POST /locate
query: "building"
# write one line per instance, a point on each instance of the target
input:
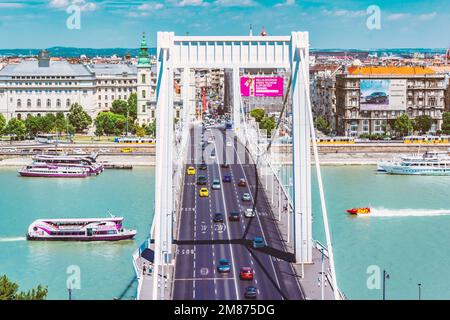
(44, 85)
(369, 99)
(146, 102)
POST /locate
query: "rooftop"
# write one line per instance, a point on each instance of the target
(113, 69)
(56, 68)
(390, 70)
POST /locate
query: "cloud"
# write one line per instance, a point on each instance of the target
(235, 3)
(83, 4)
(427, 16)
(189, 3)
(286, 3)
(7, 5)
(344, 13)
(397, 16)
(145, 9)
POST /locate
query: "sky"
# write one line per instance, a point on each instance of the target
(360, 24)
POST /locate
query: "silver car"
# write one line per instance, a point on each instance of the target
(246, 197)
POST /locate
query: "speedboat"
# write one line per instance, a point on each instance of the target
(359, 211)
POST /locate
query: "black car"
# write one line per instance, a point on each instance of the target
(234, 216)
(251, 292)
(377, 97)
(225, 165)
(203, 166)
(218, 217)
(201, 180)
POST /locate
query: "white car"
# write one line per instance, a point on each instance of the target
(229, 143)
(249, 213)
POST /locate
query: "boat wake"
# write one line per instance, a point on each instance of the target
(12, 239)
(383, 212)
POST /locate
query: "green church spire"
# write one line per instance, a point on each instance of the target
(143, 58)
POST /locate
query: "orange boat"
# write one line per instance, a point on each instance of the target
(359, 211)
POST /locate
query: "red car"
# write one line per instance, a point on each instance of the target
(246, 273)
(242, 183)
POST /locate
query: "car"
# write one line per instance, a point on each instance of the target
(234, 216)
(216, 184)
(226, 178)
(242, 182)
(250, 292)
(258, 242)
(225, 165)
(212, 155)
(249, 213)
(218, 217)
(190, 171)
(377, 97)
(246, 197)
(201, 180)
(203, 166)
(224, 266)
(246, 273)
(203, 192)
(229, 143)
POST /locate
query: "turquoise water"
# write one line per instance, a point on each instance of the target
(105, 268)
(408, 234)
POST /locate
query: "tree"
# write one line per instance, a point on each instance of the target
(60, 124)
(423, 123)
(268, 123)
(119, 107)
(151, 129)
(258, 114)
(110, 123)
(2, 122)
(445, 123)
(140, 131)
(403, 125)
(78, 118)
(16, 127)
(10, 291)
(132, 106)
(323, 125)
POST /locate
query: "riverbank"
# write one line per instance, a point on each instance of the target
(134, 160)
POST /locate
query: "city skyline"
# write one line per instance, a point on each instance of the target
(354, 24)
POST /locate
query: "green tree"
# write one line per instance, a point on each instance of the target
(119, 107)
(140, 131)
(445, 123)
(151, 129)
(60, 125)
(16, 127)
(258, 114)
(32, 124)
(132, 106)
(10, 291)
(78, 118)
(323, 125)
(268, 123)
(110, 123)
(2, 122)
(423, 123)
(403, 125)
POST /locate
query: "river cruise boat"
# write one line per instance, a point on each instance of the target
(432, 163)
(88, 162)
(97, 229)
(52, 171)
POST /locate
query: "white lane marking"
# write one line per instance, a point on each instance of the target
(257, 215)
(228, 229)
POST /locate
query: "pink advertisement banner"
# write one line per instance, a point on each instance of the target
(262, 87)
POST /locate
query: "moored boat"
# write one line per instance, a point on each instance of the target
(91, 229)
(52, 171)
(432, 163)
(88, 162)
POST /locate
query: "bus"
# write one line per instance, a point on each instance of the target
(122, 140)
(336, 140)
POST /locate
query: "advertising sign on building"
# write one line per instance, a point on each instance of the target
(383, 94)
(262, 86)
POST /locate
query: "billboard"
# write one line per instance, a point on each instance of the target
(382, 94)
(262, 86)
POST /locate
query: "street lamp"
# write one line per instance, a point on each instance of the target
(385, 276)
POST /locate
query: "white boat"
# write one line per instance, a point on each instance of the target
(432, 163)
(97, 229)
(53, 171)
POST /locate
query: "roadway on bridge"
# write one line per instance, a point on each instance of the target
(201, 242)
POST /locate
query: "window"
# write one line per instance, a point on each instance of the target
(49, 103)
(29, 103)
(68, 103)
(38, 103)
(19, 103)
(143, 108)
(143, 94)
(58, 103)
(143, 78)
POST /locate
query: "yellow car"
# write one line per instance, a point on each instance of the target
(191, 171)
(126, 150)
(204, 192)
